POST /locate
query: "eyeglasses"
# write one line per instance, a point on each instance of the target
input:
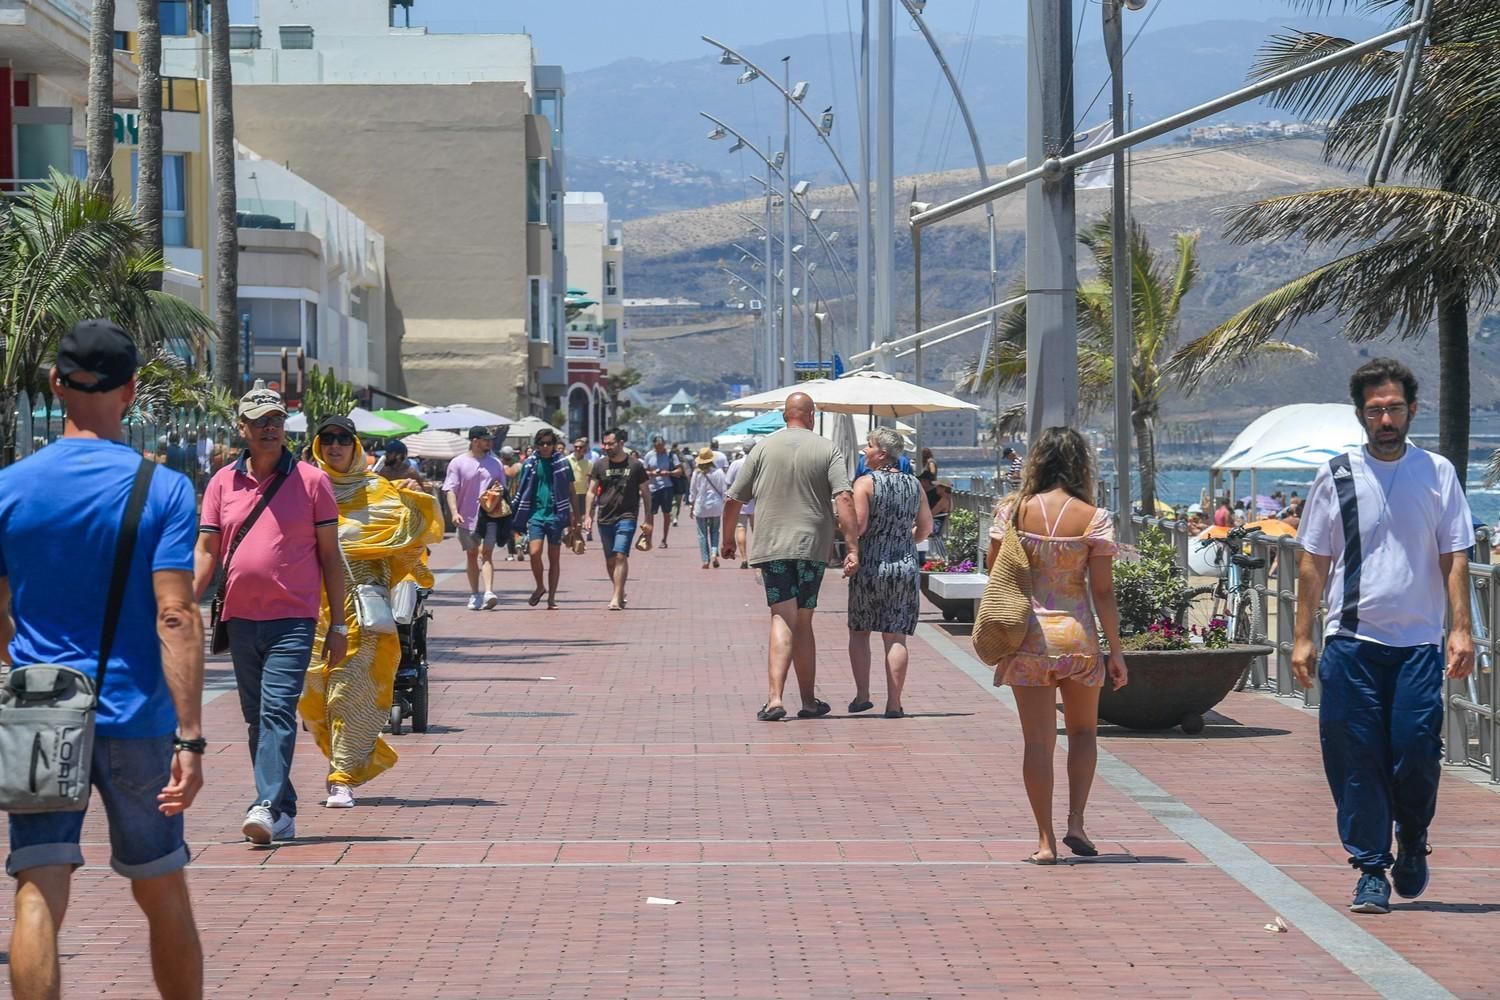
(335, 437)
(546, 444)
(269, 420)
(1397, 410)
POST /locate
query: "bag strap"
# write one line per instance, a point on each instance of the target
(124, 555)
(244, 529)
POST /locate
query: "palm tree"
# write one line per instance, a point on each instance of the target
(227, 247)
(619, 383)
(149, 179)
(68, 253)
(1158, 288)
(1405, 255)
(101, 107)
(148, 198)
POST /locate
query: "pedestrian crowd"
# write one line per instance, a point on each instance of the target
(310, 555)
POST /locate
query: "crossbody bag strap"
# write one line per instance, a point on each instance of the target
(244, 529)
(124, 554)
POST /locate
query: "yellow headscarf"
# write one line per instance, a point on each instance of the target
(378, 520)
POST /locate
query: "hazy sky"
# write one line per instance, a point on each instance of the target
(582, 34)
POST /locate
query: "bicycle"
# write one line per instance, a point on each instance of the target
(1233, 598)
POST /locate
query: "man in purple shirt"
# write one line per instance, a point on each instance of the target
(468, 477)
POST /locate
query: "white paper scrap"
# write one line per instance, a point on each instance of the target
(658, 901)
(1279, 927)
(546, 678)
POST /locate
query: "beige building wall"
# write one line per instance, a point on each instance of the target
(441, 172)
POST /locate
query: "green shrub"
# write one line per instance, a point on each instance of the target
(961, 537)
(1149, 587)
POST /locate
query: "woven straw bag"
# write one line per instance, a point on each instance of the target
(1005, 610)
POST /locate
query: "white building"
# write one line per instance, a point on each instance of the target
(595, 247)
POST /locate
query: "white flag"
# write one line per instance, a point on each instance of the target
(1100, 173)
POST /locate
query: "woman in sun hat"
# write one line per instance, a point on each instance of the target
(706, 498)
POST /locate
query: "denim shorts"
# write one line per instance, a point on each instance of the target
(128, 775)
(617, 538)
(551, 530)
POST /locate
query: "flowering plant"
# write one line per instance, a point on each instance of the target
(1163, 633)
(967, 566)
(935, 566)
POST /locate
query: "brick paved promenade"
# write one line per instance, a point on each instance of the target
(581, 761)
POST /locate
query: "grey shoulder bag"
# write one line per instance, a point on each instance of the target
(47, 710)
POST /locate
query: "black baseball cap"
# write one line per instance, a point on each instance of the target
(99, 348)
(480, 431)
(336, 422)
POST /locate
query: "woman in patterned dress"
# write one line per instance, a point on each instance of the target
(1070, 545)
(384, 532)
(883, 596)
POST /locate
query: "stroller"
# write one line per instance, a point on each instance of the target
(409, 697)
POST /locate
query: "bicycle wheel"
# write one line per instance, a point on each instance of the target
(1246, 614)
(1197, 607)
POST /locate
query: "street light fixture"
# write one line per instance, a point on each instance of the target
(727, 58)
(739, 144)
(826, 126)
(748, 75)
(800, 90)
(717, 133)
(815, 214)
(801, 188)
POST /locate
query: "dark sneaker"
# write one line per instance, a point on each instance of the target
(1372, 894)
(1409, 876)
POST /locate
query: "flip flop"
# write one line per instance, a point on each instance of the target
(861, 706)
(894, 713)
(818, 710)
(1081, 847)
(536, 598)
(1034, 860)
(768, 714)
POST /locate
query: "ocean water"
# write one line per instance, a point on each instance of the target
(1185, 486)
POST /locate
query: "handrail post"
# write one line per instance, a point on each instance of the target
(1286, 613)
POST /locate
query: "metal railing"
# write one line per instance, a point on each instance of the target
(1471, 718)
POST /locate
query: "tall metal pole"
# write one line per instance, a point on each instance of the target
(885, 179)
(806, 290)
(1051, 224)
(862, 265)
(769, 347)
(788, 372)
(1121, 271)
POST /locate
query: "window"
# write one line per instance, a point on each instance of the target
(310, 309)
(549, 106)
(174, 17)
(611, 333)
(539, 328)
(81, 164)
(611, 278)
(274, 323)
(558, 312)
(122, 41)
(537, 206)
(174, 224)
(179, 93)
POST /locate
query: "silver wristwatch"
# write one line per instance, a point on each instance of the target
(339, 629)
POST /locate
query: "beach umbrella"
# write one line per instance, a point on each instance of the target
(409, 423)
(458, 417)
(365, 422)
(872, 393)
(846, 441)
(528, 428)
(435, 444)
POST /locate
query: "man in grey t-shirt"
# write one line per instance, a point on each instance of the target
(799, 484)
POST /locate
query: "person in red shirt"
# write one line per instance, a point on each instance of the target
(275, 571)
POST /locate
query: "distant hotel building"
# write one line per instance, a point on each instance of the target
(596, 309)
(451, 147)
(1217, 135)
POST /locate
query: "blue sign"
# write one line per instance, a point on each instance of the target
(838, 366)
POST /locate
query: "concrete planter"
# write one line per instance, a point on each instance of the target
(1175, 687)
(953, 609)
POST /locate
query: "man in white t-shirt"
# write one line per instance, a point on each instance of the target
(1385, 533)
(721, 460)
(745, 523)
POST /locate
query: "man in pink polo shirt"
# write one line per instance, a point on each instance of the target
(277, 571)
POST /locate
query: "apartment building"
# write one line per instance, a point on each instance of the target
(596, 308)
(451, 147)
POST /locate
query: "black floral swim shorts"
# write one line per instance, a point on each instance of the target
(793, 580)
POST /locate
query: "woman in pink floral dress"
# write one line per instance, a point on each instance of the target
(1070, 545)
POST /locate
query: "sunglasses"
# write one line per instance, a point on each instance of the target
(269, 420)
(335, 437)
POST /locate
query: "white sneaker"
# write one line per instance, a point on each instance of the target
(258, 827)
(340, 796)
(285, 828)
(490, 600)
(475, 602)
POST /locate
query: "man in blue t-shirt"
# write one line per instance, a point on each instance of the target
(67, 502)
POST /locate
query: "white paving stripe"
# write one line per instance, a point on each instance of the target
(1359, 951)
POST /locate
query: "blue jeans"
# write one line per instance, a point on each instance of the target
(550, 529)
(270, 666)
(1380, 721)
(708, 537)
(129, 774)
(617, 537)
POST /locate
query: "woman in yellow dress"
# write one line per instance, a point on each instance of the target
(384, 532)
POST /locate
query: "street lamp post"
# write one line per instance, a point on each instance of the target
(788, 366)
(1122, 297)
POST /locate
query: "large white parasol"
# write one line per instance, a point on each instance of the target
(435, 444)
(872, 393)
(458, 417)
(365, 422)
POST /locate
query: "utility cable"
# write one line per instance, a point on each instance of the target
(1105, 85)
